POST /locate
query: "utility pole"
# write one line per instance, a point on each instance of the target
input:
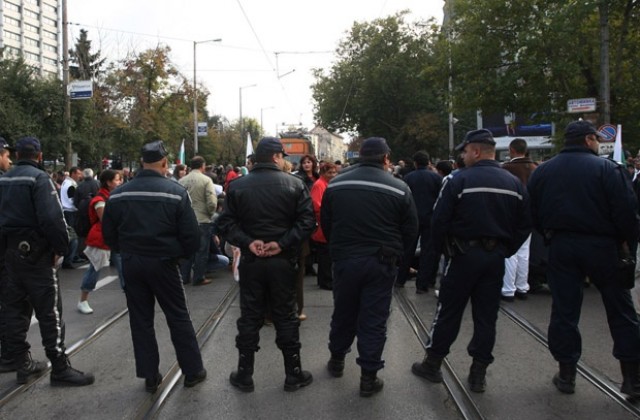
(605, 89)
(66, 124)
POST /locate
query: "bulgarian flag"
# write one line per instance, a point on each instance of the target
(181, 153)
(617, 147)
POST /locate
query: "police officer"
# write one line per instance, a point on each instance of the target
(481, 217)
(6, 365)
(34, 235)
(150, 221)
(370, 221)
(597, 218)
(268, 214)
(425, 185)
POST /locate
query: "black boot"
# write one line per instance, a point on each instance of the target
(335, 366)
(428, 369)
(565, 379)
(296, 377)
(630, 379)
(477, 373)
(370, 384)
(62, 374)
(243, 377)
(28, 368)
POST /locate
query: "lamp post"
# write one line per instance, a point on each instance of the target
(195, 95)
(262, 109)
(241, 123)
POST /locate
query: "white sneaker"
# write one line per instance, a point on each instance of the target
(83, 307)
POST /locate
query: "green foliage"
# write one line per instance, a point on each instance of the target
(379, 86)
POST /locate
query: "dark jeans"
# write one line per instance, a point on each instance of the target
(200, 259)
(148, 279)
(572, 257)
(70, 218)
(267, 284)
(475, 275)
(325, 275)
(362, 290)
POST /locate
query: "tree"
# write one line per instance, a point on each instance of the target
(87, 66)
(378, 86)
(531, 56)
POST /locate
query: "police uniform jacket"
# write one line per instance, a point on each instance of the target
(578, 191)
(268, 205)
(29, 203)
(425, 186)
(151, 216)
(365, 209)
(482, 201)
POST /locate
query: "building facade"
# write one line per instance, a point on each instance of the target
(328, 146)
(30, 28)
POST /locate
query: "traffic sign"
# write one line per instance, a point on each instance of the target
(608, 132)
(202, 129)
(575, 106)
(81, 89)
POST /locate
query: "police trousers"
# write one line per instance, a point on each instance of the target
(267, 283)
(475, 275)
(362, 289)
(150, 279)
(572, 257)
(32, 285)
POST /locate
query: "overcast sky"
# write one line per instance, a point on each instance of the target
(303, 32)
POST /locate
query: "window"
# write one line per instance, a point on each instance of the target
(31, 56)
(31, 14)
(11, 35)
(31, 41)
(49, 21)
(31, 28)
(50, 48)
(50, 35)
(11, 6)
(36, 2)
(10, 52)
(49, 8)
(49, 61)
(11, 21)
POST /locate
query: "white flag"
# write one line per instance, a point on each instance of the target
(181, 153)
(249, 146)
(617, 147)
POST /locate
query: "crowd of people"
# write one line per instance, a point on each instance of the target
(471, 225)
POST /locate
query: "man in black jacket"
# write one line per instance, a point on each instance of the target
(369, 219)
(585, 207)
(34, 235)
(150, 221)
(268, 214)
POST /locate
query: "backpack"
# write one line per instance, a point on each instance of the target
(83, 223)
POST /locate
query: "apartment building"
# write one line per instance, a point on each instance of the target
(30, 28)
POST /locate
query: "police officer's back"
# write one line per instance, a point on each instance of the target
(35, 234)
(480, 218)
(585, 207)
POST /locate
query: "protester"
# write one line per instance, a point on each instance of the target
(97, 251)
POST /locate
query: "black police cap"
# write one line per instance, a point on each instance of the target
(270, 145)
(580, 129)
(153, 152)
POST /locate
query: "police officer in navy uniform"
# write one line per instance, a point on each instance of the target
(480, 218)
(150, 221)
(585, 207)
(6, 364)
(268, 214)
(34, 236)
(370, 221)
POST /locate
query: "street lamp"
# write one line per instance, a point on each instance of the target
(262, 109)
(241, 123)
(195, 95)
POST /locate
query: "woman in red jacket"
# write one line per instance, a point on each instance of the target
(325, 279)
(97, 251)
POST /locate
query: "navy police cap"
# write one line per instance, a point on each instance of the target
(28, 144)
(270, 145)
(153, 152)
(477, 136)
